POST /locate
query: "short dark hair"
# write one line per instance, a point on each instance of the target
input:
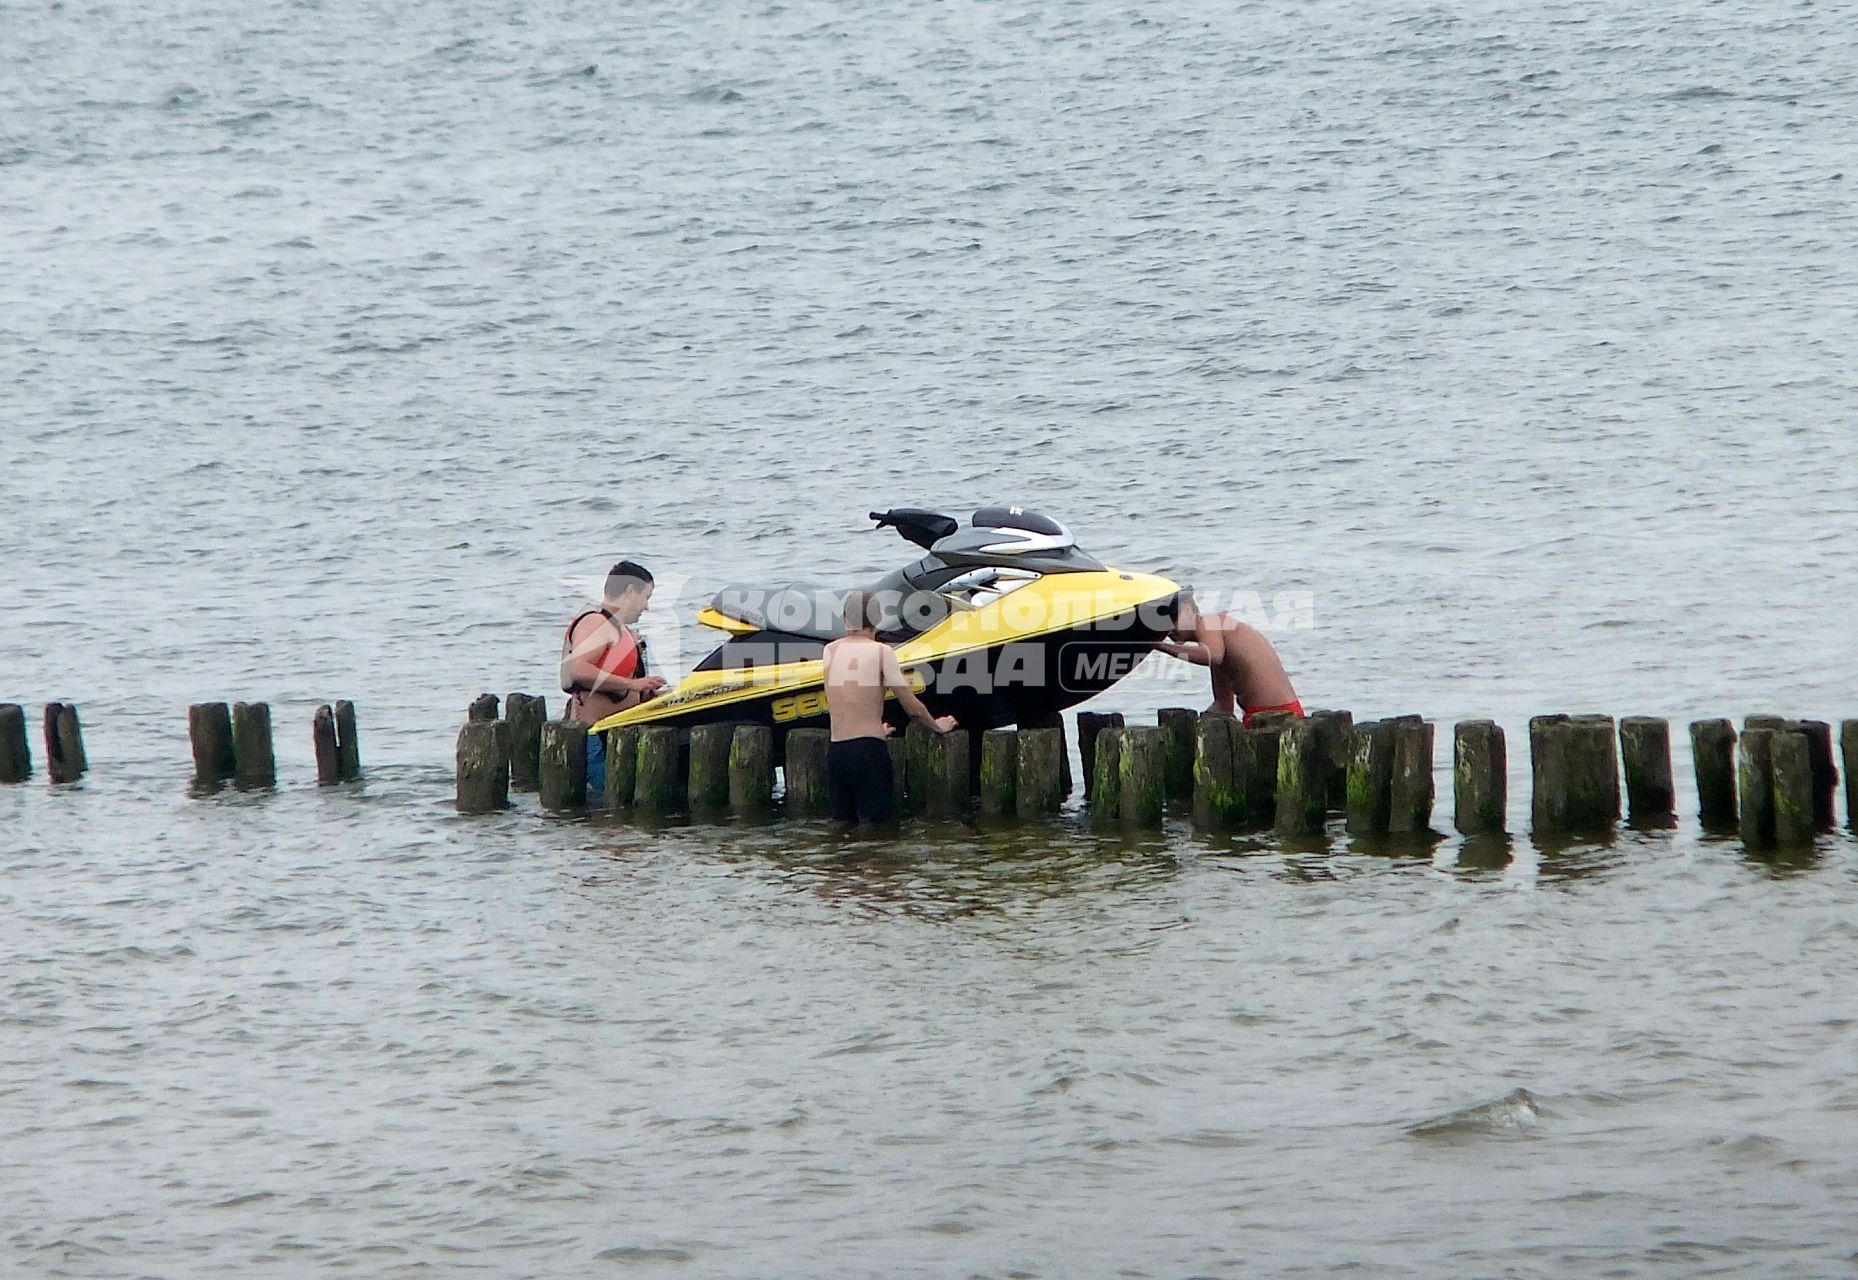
(624, 576)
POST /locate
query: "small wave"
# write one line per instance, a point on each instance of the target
(714, 93)
(1515, 1114)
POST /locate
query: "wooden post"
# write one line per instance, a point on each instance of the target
(710, 745)
(805, 772)
(1575, 762)
(1755, 787)
(1221, 800)
(1848, 748)
(1040, 783)
(1053, 721)
(939, 783)
(328, 750)
(622, 766)
(751, 771)
(1177, 738)
(1302, 777)
(348, 742)
(526, 715)
(1480, 778)
(209, 728)
(1336, 730)
(561, 765)
(1262, 747)
(1143, 775)
(1089, 725)
(1000, 773)
(15, 750)
(658, 779)
(483, 783)
(1645, 750)
(1790, 765)
(1106, 785)
(1825, 772)
(1411, 789)
(254, 761)
(1712, 749)
(483, 707)
(1369, 777)
(64, 743)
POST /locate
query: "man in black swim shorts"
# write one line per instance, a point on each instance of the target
(860, 671)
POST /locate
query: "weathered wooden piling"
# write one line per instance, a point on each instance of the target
(65, 760)
(209, 729)
(999, 773)
(804, 773)
(1303, 765)
(1369, 777)
(1261, 746)
(1755, 787)
(1106, 786)
(1220, 802)
(483, 707)
(939, 782)
(1574, 761)
(1336, 731)
(1712, 751)
(1177, 748)
(1825, 773)
(1480, 778)
(1142, 771)
(1411, 790)
(658, 777)
(254, 759)
(751, 770)
(561, 765)
(1055, 720)
(1039, 775)
(1848, 750)
(483, 780)
(15, 749)
(1645, 754)
(328, 750)
(1089, 725)
(348, 741)
(1790, 765)
(710, 745)
(622, 766)
(526, 714)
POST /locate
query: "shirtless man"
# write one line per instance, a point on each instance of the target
(1245, 667)
(860, 669)
(603, 660)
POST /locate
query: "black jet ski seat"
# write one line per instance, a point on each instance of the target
(809, 610)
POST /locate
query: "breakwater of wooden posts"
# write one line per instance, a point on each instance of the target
(1773, 782)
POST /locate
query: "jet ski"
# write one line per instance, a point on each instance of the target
(1004, 621)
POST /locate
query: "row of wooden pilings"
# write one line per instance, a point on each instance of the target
(1773, 782)
(231, 743)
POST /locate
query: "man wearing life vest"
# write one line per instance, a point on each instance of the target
(603, 660)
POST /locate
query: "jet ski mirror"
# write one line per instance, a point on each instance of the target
(924, 528)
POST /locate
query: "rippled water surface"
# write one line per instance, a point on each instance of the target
(345, 344)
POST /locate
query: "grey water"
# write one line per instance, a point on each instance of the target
(1496, 356)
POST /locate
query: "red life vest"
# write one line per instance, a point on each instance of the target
(624, 658)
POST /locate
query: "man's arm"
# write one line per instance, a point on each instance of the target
(1189, 652)
(895, 682)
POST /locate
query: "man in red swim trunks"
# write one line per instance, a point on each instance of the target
(603, 660)
(1244, 666)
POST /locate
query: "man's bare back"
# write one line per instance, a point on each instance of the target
(1245, 668)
